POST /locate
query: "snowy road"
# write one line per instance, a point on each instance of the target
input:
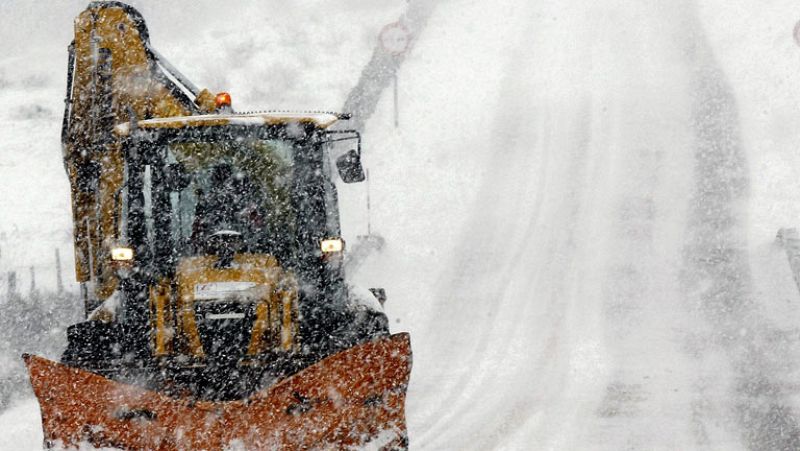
(574, 216)
(599, 293)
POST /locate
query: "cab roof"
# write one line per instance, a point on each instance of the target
(321, 120)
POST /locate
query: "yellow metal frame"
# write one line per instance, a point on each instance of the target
(276, 324)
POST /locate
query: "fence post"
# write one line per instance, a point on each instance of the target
(33, 280)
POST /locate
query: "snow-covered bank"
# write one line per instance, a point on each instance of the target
(21, 427)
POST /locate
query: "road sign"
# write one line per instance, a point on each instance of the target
(394, 38)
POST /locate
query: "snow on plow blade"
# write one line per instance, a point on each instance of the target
(351, 399)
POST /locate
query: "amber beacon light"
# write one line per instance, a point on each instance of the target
(223, 99)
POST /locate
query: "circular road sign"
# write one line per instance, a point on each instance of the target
(395, 38)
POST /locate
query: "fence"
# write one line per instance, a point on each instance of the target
(32, 320)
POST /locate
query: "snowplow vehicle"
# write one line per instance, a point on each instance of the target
(209, 253)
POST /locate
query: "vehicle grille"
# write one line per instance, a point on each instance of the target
(225, 328)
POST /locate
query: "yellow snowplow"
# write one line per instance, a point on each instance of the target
(208, 249)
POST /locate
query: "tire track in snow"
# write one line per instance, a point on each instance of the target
(631, 294)
(543, 270)
(718, 281)
(642, 95)
(486, 271)
(530, 359)
(491, 290)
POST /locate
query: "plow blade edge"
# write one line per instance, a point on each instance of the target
(350, 399)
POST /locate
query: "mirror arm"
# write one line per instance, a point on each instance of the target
(357, 137)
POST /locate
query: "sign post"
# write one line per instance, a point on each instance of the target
(394, 39)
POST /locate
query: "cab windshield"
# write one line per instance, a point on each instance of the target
(239, 187)
(226, 190)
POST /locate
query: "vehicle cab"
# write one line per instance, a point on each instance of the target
(222, 239)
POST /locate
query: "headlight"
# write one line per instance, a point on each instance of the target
(121, 254)
(331, 245)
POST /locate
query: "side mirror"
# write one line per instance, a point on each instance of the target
(350, 169)
(175, 177)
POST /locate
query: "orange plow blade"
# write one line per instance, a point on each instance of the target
(351, 399)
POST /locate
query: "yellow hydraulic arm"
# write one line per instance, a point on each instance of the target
(114, 76)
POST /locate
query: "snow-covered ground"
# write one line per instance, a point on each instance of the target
(579, 204)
